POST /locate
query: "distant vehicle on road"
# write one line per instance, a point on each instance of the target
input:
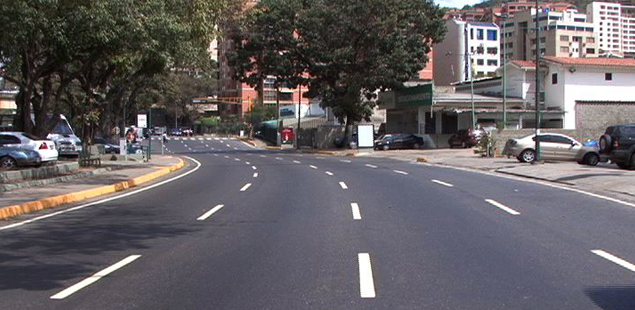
(552, 147)
(398, 141)
(11, 157)
(618, 145)
(187, 131)
(466, 138)
(176, 132)
(14, 139)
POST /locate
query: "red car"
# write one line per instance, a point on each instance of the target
(466, 138)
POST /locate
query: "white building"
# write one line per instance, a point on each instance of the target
(615, 26)
(572, 82)
(469, 48)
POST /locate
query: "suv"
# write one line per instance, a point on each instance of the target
(618, 145)
(466, 138)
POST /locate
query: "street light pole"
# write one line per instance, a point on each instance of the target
(537, 146)
(504, 73)
(472, 90)
(297, 134)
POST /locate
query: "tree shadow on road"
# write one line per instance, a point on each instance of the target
(45, 256)
(612, 297)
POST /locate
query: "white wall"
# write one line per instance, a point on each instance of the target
(449, 54)
(586, 84)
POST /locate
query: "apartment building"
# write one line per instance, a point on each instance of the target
(562, 34)
(615, 27)
(513, 7)
(469, 50)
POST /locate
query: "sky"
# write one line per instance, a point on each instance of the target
(456, 3)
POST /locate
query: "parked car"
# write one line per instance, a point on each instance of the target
(466, 138)
(67, 143)
(176, 132)
(398, 141)
(552, 147)
(109, 146)
(46, 148)
(11, 157)
(618, 145)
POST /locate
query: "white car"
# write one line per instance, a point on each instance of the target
(46, 148)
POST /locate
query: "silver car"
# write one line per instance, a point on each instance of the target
(553, 146)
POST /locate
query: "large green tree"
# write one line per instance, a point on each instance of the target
(346, 49)
(91, 57)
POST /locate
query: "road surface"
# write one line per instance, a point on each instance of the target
(254, 229)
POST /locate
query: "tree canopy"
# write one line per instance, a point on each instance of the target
(344, 50)
(88, 58)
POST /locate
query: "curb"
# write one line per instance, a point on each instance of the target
(34, 183)
(37, 205)
(249, 141)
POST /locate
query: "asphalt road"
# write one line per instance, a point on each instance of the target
(253, 229)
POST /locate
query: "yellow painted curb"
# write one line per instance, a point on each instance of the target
(33, 206)
(248, 141)
(273, 148)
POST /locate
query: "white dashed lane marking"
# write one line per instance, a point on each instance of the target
(371, 166)
(313, 167)
(356, 214)
(210, 213)
(400, 172)
(329, 173)
(443, 183)
(248, 185)
(614, 259)
(502, 207)
(343, 185)
(366, 282)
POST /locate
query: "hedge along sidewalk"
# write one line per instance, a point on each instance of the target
(28, 200)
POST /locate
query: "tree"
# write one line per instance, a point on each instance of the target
(348, 49)
(93, 57)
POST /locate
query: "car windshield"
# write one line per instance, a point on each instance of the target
(628, 130)
(63, 128)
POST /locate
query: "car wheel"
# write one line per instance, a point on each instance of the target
(606, 144)
(591, 159)
(527, 156)
(8, 163)
(386, 147)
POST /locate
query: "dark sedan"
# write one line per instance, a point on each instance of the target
(109, 146)
(14, 157)
(398, 141)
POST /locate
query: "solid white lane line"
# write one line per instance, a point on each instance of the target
(248, 185)
(371, 166)
(35, 219)
(329, 173)
(366, 282)
(443, 183)
(356, 214)
(296, 162)
(343, 185)
(314, 167)
(614, 259)
(502, 207)
(210, 212)
(94, 278)
(400, 172)
(345, 161)
(254, 167)
(255, 174)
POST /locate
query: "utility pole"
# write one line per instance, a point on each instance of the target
(279, 127)
(504, 73)
(297, 134)
(150, 134)
(537, 157)
(472, 90)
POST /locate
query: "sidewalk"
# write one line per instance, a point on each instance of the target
(603, 179)
(123, 175)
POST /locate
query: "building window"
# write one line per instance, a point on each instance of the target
(590, 51)
(564, 38)
(480, 62)
(543, 40)
(479, 34)
(608, 76)
(554, 78)
(492, 50)
(471, 33)
(492, 35)
(480, 50)
(492, 62)
(590, 40)
(564, 49)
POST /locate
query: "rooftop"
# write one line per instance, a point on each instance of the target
(524, 64)
(592, 61)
